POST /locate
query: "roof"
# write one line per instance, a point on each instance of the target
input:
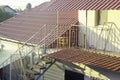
(25, 25)
(2, 6)
(84, 5)
(88, 58)
(6, 6)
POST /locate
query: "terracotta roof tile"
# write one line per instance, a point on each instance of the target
(85, 5)
(23, 26)
(88, 58)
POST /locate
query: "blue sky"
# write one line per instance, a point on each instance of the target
(21, 3)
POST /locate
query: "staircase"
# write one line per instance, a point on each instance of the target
(24, 65)
(36, 70)
(56, 72)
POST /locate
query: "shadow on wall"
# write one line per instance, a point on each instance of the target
(100, 38)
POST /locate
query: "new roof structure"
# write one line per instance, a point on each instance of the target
(88, 58)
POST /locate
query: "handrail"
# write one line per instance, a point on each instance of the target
(106, 41)
(22, 57)
(45, 70)
(110, 26)
(39, 43)
(21, 53)
(100, 35)
(24, 43)
(113, 24)
(33, 48)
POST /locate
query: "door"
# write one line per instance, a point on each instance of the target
(70, 75)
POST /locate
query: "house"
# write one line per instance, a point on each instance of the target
(8, 9)
(83, 36)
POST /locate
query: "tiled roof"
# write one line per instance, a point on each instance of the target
(2, 7)
(85, 5)
(88, 58)
(23, 26)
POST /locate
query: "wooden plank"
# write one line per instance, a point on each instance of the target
(32, 72)
(46, 61)
(42, 55)
(36, 66)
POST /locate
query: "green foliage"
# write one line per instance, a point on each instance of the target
(4, 15)
(28, 6)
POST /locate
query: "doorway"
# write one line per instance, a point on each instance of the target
(70, 75)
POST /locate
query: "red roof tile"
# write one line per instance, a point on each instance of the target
(23, 26)
(84, 5)
(88, 58)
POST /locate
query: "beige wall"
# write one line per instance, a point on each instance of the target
(95, 38)
(114, 16)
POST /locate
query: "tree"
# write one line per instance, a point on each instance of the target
(4, 15)
(28, 6)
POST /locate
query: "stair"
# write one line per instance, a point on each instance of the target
(36, 66)
(45, 41)
(32, 72)
(38, 69)
(46, 61)
(42, 55)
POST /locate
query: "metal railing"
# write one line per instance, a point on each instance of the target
(49, 37)
(8, 60)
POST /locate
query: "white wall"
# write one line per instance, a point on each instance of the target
(82, 31)
(114, 16)
(95, 38)
(9, 46)
(90, 24)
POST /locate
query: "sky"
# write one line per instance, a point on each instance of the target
(21, 4)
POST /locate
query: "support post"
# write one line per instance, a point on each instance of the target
(70, 36)
(86, 32)
(45, 40)
(57, 28)
(10, 67)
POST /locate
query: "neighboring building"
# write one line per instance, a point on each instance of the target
(8, 9)
(59, 27)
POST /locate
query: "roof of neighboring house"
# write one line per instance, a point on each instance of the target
(84, 5)
(88, 58)
(25, 25)
(4, 6)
